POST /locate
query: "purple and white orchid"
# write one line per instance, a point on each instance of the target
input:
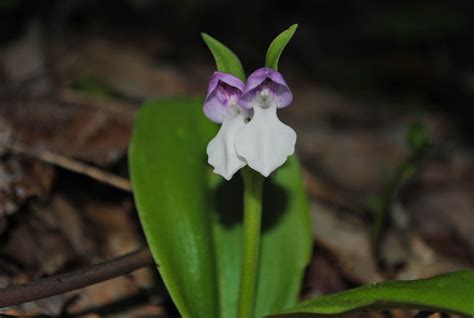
(262, 141)
(221, 106)
(265, 142)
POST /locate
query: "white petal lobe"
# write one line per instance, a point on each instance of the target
(265, 142)
(221, 150)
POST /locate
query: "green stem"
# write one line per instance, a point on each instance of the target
(253, 184)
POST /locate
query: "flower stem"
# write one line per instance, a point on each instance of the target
(253, 184)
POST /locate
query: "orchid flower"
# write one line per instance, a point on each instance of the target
(221, 106)
(265, 142)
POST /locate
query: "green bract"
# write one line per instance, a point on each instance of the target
(276, 47)
(226, 60)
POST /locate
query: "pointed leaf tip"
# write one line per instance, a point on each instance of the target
(226, 60)
(277, 46)
(448, 293)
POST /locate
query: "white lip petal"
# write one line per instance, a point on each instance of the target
(221, 150)
(265, 142)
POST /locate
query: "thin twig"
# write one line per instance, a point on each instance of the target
(58, 284)
(72, 165)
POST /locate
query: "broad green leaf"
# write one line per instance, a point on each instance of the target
(453, 293)
(192, 218)
(167, 169)
(276, 47)
(226, 60)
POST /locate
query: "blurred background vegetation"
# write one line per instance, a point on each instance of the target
(402, 48)
(418, 53)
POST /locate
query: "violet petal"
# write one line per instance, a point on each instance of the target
(264, 76)
(223, 89)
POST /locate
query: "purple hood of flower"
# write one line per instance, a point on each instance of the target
(266, 77)
(221, 90)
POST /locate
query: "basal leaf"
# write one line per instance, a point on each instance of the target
(276, 47)
(168, 173)
(452, 293)
(226, 60)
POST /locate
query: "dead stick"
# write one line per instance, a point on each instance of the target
(58, 284)
(72, 165)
